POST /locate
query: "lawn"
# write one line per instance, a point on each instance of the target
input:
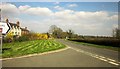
(29, 47)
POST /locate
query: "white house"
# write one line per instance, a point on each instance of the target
(16, 30)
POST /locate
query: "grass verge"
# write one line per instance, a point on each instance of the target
(98, 46)
(29, 47)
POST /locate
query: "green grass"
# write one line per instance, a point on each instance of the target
(98, 46)
(29, 47)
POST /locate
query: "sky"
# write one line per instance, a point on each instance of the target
(84, 18)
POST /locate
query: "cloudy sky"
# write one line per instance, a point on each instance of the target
(85, 18)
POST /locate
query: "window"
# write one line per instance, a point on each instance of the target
(12, 32)
(16, 33)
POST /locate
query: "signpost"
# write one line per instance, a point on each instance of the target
(5, 27)
(1, 46)
(0, 40)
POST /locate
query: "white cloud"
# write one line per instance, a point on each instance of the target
(9, 10)
(56, 3)
(90, 23)
(59, 8)
(41, 11)
(24, 8)
(72, 5)
(93, 23)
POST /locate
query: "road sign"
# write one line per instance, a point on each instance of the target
(5, 27)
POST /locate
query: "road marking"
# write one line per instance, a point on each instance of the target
(114, 63)
(97, 57)
(111, 59)
(102, 58)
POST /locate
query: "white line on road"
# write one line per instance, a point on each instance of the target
(111, 59)
(102, 58)
(114, 63)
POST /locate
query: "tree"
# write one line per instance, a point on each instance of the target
(116, 33)
(70, 33)
(52, 29)
(55, 31)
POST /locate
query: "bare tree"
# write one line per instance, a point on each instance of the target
(55, 31)
(116, 33)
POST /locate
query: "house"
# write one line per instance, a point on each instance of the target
(16, 30)
(24, 31)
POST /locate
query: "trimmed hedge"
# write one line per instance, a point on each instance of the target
(106, 42)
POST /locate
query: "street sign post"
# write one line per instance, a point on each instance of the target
(0, 33)
(5, 27)
(0, 30)
(0, 46)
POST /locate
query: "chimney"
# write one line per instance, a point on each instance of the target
(18, 23)
(25, 28)
(7, 21)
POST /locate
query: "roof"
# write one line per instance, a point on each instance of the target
(23, 29)
(13, 24)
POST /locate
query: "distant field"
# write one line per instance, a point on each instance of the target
(29, 47)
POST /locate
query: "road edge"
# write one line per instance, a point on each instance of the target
(44, 53)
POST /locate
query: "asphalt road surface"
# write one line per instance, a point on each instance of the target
(75, 55)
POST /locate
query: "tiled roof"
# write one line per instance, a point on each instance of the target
(13, 24)
(23, 29)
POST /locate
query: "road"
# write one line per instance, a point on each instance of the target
(75, 55)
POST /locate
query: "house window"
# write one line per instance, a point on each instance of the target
(16, 33)
(12, 32)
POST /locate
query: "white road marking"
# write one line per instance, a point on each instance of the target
(97, 57)
(102, 58)
(111, 59)
(114, 63)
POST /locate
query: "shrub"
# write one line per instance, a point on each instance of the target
(22, 38)
(7, 40)
(107, 42)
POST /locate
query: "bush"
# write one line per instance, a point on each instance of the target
(25, 37)
(7, 40)
(107, 42)
(22, 38)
